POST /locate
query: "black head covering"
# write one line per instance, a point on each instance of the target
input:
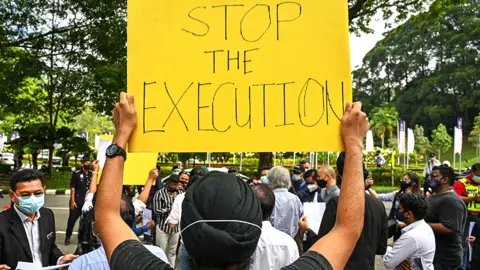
(220, 196)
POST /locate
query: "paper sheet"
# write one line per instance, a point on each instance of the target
(470, 249)
(32, 266)
(314, 213)
(147, 216)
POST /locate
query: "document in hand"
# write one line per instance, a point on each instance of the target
(33, 266)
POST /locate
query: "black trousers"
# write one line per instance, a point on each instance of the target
(72, 219)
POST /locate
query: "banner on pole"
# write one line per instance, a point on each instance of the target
(84, 135)
(401, 143)
(223, 71)
(411, 141)
(458, 141)
(369, 141)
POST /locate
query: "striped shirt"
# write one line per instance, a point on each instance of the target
(162, 205)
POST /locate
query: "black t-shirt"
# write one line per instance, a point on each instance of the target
(450, 211)
(80, 182)
(373, 239)
(132, 255)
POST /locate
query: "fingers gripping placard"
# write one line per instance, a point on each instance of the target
(234, 76)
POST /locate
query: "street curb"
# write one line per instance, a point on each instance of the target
(48, 192)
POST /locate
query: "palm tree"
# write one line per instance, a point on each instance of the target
(383, 121)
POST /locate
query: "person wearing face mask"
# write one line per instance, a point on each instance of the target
(176, 170)
(328, 179)
(311, 177)
(299, 183)
(415, 249)
(468, 190)
(166, 237)
(447, 215)
(79, 184)
(27, 231)
(409, 183)
(263, 172)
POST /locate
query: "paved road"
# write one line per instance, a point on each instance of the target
(59, 205)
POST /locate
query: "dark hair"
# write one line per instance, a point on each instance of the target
(341, 166)
(303, 162)
(232, 170)
(127, 211)
(379, 152)
(310, 173)
(268, 168)
(415, 179)
(197, 265)
(436, 168)
(183, 172)
(267, 200)
(415, 203)
(197, 171)
(175, 167)
(26, 175)
(173, 178)
(475, 168)
(127, 188)
(448, 172)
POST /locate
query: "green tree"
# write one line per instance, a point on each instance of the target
(430, 58)
(475, 133)
(422, 143)
(441, 141)
(93, 123)
(383, 121)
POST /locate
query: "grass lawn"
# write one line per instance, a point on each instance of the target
(384, 189)
(469, 156)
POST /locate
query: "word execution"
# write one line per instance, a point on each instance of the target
(216, 76)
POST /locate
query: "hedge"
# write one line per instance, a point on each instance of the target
(383, 176)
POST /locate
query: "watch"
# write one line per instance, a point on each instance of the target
(115, 150)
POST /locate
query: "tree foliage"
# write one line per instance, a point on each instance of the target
(441, 140)
(474, 135)
(422, 143)
(428, 67)
(93, 123)
(383, 121)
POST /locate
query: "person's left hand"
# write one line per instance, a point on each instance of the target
(303, 224)
(125, 116)
(67, 258)
(471, 239)
(401, 224)
(405, 266)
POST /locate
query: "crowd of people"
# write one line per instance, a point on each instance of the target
(215, 220)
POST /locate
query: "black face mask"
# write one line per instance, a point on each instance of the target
(131, 193)
(87, 167)
(172, 189)
(322, 183)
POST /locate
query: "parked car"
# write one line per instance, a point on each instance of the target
(7, 159)
(57, 161)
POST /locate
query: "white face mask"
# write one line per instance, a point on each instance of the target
(312, 187)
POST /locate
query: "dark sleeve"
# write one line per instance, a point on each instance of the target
(329, 218)
(132, 255)
(73, 180)
(312, 237)
(55, 252)
(452, 215)
(383, 236)
(310, 260)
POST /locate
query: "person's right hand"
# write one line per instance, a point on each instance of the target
(476, 198)
(96, 166)
(4, 267)
(401, 224)
(125, 116)
(354, 126)
(153, 174)
(87, 206)
(471, 239)
(73, 205)
(150, 224)
(369, 182)
(303, 224)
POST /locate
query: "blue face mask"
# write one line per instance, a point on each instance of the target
(31, 204)
(264, 179)
(176, 173)
(476, 179)
(296, 177)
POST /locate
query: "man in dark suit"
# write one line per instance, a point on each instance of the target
(27, 231)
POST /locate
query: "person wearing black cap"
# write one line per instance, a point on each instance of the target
(222, 218)
(299, 183)
(166, 237)
(78, 190)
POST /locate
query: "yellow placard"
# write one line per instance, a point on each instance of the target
(235, 76)
(137, 166)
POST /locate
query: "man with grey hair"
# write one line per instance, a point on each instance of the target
(288, 207)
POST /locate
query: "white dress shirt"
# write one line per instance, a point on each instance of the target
(417, 245)
(139, 206)
(275, 249)
(33, 235)
(176, 213)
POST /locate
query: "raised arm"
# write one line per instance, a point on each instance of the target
(92, 188)
(148, 185)
(112, 229)
(338, 244)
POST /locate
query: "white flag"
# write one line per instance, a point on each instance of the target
(411, 141)
(401, 143)
(97, 141)
(369, 142)
(457, 145)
